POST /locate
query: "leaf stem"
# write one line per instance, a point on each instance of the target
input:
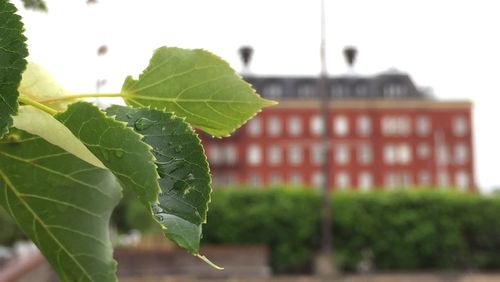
(28, 101)
(207, 261)
(78, 96)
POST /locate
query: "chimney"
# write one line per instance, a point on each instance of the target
(246, 53)
(350, 53)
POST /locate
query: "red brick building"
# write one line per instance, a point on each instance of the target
(383, 132)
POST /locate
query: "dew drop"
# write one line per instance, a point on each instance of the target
(160, 217)
(105, 154)
(164, 129)
(178, 149)
(119, 153)
(190, 176)
(143, 123)
(187, 191)
(156, 208)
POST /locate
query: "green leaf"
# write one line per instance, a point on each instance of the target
(40, 123)
(118, 147)
(12, 63)
(37, 84)
(197, 85)
(182, 165)
(62, 203)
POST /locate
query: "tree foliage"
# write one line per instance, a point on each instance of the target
(64, 162)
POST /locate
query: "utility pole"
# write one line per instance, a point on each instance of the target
(324, 264)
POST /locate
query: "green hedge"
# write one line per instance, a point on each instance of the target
(402, 230)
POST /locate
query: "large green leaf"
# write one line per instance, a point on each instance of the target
(62, 203)
(182, 165)
(12, 63)
(118, 147)
(197, 85)
(38, 84)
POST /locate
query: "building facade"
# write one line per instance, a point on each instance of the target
(383, 133)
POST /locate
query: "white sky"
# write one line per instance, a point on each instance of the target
(451, 46)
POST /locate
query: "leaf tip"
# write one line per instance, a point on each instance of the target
(207, 261)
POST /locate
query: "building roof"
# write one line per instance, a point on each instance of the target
(387, 85)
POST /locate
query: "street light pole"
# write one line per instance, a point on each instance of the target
(325, 262)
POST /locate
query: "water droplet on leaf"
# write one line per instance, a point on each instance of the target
(119, 153)
(178, 149)
(143, 123)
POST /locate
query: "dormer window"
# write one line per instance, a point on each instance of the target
(361, 90)
(273, 90)
(394, 90)
(306, 90)
(339, 90)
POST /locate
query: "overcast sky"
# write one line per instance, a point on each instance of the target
(450, 46)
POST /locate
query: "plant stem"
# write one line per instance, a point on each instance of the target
(28, 101)
(77, 96)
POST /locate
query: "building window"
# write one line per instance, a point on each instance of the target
(365, 155)
(459, 126)
(342, 180)
(462, 180)
(406, 180)
(294, 155)
(394, 90)
(364, 125)
(230, 154)
(397, 154)
(365, 181)
(361, 91)
(274, 155)
(294, 126)
(339, 90)
(442, 179)
(341, 154)
(273, 90)
(215, 155)
(389, 154)
(318, 179)
(403, 154)
(390, 180)
(423, 150)
(461, 153)
(306, 90)
(341, 126)
(296, 178)
(317, 125)
(424, 178)
(254, 179)
(423, 125)
(318, 155)
(273, 126)
(396, 125)
(275, 178)
(254, 127)
(254, 154)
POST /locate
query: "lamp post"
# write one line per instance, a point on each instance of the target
(325, 265)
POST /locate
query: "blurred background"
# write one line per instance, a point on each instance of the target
(393, 126)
